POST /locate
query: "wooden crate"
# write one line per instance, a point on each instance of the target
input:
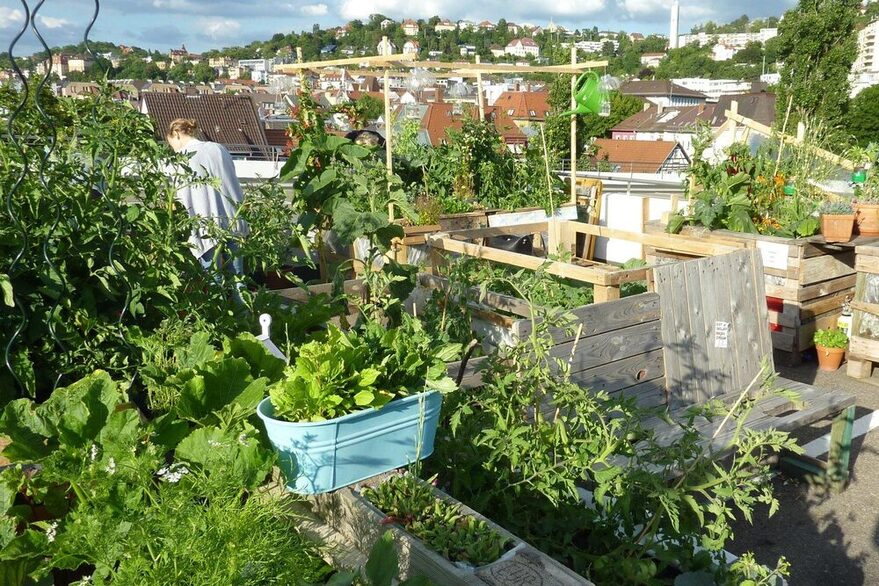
(863, 348)
(807, 280)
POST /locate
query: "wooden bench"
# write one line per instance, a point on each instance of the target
(701, 336)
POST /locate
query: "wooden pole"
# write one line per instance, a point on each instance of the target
(301, 71)
(389, 152)
(479, 95)
(573, 128)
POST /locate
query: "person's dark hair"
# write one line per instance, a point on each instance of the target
(369, 138)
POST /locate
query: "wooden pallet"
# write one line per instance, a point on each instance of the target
(806, 280)
(863, 348)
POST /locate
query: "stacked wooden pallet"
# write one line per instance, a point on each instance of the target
(863, 348)
(807, 280)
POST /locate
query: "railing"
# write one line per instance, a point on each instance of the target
(256, 152)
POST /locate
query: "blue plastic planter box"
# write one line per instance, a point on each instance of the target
(321, 456)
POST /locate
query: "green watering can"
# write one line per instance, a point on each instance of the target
(588, 95)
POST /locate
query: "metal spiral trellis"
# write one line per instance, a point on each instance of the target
(44, 147)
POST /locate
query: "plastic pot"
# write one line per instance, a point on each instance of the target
(322, 456)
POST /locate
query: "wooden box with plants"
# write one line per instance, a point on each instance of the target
(437, 536)
(837, 221)
(771, 200)
(830, 345)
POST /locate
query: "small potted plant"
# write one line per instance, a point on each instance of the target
(830, 344)
(357, 403)
(867, 206)
(837, 221)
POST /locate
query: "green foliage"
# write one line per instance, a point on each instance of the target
(818, 44)
(440, 525)
(343, 372)
(380, 569)
(862, 120)
(830, 338)
(744, 192)
(95, 254)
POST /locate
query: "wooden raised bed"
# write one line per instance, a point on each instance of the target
(807, 280)
(863, 349)
(360, 523)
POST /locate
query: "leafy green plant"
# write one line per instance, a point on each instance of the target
(837, 208)
(440, 525)
(342, 372)
(380, 569)
(830, 338)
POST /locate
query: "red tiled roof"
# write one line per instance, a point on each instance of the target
(441, 117)
(520, 105)
(669, 119)
(658, 88)
(636, 156)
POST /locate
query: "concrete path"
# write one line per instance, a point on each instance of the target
(828, 539)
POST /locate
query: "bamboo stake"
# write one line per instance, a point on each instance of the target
(573, 128)
(479, 94)
(389, 152)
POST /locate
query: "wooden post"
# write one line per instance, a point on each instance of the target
(573, 129)
(301, 72)
(604, 293)
(389, 152)
(734, 108)
(479, 95)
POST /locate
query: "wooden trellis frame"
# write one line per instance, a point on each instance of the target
(384, 63)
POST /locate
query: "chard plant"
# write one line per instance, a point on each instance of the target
(440, 525)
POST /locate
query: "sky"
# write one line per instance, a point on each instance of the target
(207, 24)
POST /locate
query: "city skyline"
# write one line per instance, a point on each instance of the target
(203, 25)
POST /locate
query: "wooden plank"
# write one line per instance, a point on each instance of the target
(566, 270)
(867, 263)
(673, 241)
(807, 330)
(864, 348)
(514, 230)
(610, 346)
(621, 374)
(597, 319)
(350, 287)
(858, 368)
(823, 268)
(811, 291)
(673, 331)
(472, 374)
(871, 308)
(867, 250)
(646, 394)
(491, 299)
(369, 61)
(703, 358)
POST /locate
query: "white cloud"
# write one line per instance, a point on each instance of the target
(218, 28)
(10, 17)
(314, 9)
(52, 23)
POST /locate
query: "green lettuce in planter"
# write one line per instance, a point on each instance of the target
(343, 372)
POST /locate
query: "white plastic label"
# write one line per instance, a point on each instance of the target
(721, 334)
(774, 255)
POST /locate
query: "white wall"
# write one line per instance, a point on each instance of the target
(257, 169)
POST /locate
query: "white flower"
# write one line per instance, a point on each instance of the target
(242, 439)
(111, 466)
(173, 473)
(94, 452)
(51, 530)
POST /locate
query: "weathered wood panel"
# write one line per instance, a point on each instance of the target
(610, 346)
(622, 374)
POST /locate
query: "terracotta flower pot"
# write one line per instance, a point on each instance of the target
(867, 218)
(829, 359)
(837, 228)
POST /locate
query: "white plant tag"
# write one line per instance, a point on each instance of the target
(721, 334)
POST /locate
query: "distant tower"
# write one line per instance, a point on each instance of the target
(673, 30)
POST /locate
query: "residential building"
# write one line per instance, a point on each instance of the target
(411, 47)
(714, 88)
(385, 47)
(386, 23)
(513, 28)
(410, 27)
(486, 25)
(867, 60)
(679, 123)
(652, 59)
(631, 156)
(221, 62)
(526, 109)
(467, 50)
(635, 37)
(522, 48)
(79, 63)
(445, 26)
(466, 25)
(594, 46)
(179, 55)
(437, 120)
(230, 120)
(58, 66)
(734, 39)
(663, 93)
(724, 51)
